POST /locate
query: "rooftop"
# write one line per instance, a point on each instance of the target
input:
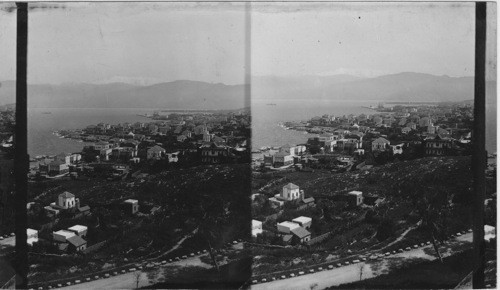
(291, 186)
(354, 192)
(131, 201)
(300, 232)
(65, 233)
(76, 241)
(289, 225)
(302, 219)
(66, 194)
(78, 228)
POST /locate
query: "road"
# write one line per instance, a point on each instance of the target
(351, 273)
(146, 277)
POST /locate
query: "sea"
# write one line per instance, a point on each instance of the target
(266, 117)
(43, 122)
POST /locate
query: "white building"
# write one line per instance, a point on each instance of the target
(79, 230)
(133, 204)
(256, 228)
(290, 192)
(32, 236)
(62, 235)
(356, 197)
(303, 221)
(286, 227)
(65, 200)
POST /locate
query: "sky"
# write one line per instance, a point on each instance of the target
(149, 43)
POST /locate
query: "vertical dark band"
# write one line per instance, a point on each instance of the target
(479, 157)
(21, 143)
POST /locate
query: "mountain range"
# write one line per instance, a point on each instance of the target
(184, 94)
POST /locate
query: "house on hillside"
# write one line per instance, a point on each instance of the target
(155, 152)
(438, 145)
(290, 192)
(76, 243)
(303, 221)
(355, 198)
(79, 230)
(406, 130)
(131, 206)
(282, 159)
(256, 228)
(57, 167)
(300, 235)
(32, 236)
(286, 227)
(380, 144)
(214, 153)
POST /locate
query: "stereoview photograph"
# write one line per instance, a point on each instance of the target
(259, 145)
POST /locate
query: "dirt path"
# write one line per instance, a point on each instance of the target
(351, 273)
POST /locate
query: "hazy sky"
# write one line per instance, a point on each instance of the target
(95, 43)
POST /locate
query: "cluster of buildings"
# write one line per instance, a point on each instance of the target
(72, 239)
(67, 202)
(207, 138)
(291, 193)
(439, 130)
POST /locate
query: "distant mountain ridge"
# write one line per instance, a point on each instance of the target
(185, 94)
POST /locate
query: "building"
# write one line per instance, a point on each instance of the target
(101, 145)
(32, 236)
(132, 205)
(282, 159)
(214, 153)
(406, 130)
(62, 236)
(289, 149)
(77, 243)
(57, 167)
(276, 202)
(155, 152)
(380, 144)
(437, 146)
(67, 200)
(355, 198)
(290, 192)
(63, 157)
(286, 227)
(397, 149)
(79, 230)
(256, 228)
(303, 221)
(301, 235)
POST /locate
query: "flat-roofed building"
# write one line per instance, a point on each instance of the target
(62, 235)
(286, 227)
(79, 230)
(303, 221)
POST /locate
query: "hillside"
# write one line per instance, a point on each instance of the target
(184, 94)
(396, 87)
(171, 95)
(396, 180)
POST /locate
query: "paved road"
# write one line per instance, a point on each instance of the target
(129, 280)
(351, 273)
